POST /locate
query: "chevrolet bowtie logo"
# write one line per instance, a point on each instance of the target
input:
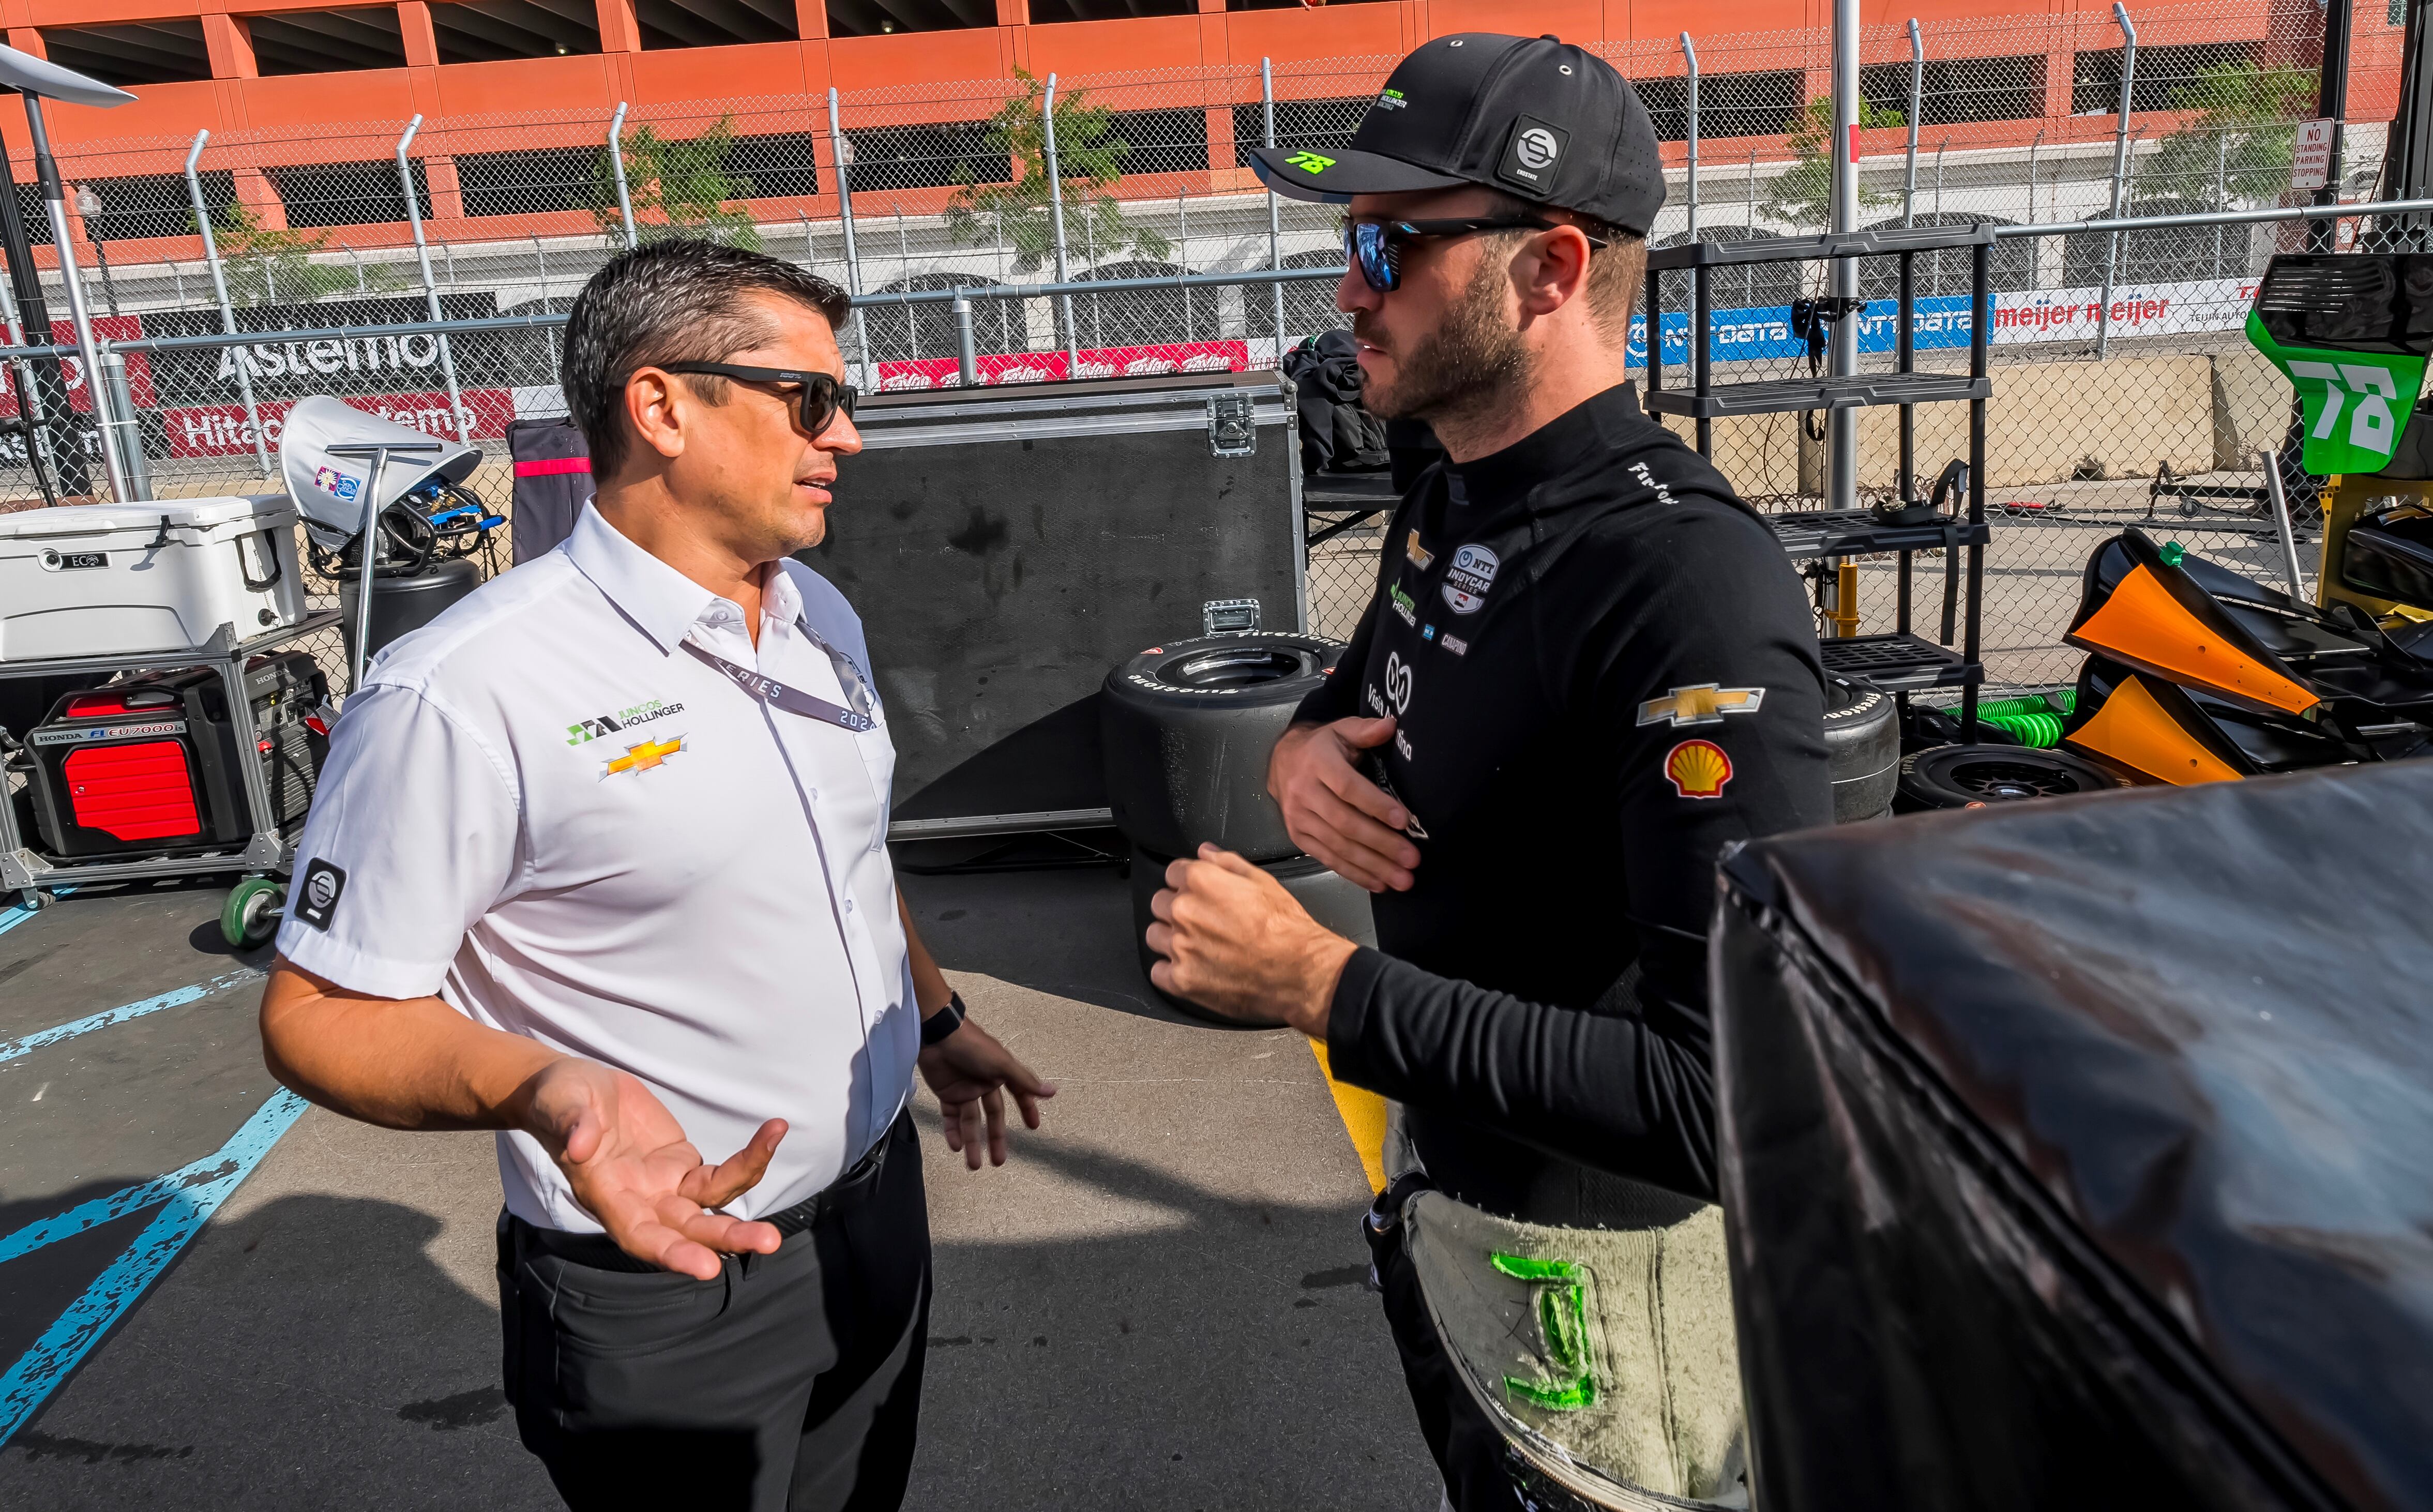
(1700, 703)
(644, 756)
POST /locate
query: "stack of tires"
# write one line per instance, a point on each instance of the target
(1187, 728)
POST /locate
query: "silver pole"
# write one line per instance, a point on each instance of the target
(114, 381)
(616, 168)
(46, 171)
(429, 288)
(228, 316)
(1690, 57)
(2274, 490)
(1752, 189)
(362, 285)
(2119, 175)
(1183, 255)
(966, 346)
(1841, 426)
(1056, 208)
(2033, 147)
(1275, 227)
(1916, 104)
(843, 150)
(2221, 192)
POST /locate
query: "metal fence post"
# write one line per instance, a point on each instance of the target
(2032, 175)
(1183, 254)
(243, 364)
(843, 151)
(2221, 192)
(46, 173)
(967, 359)
(430, 289)
(1056, 210)
(616, 168)
(1752, 189)
(1275, 225)
(1841, 426)
(2119, 175)
(1689, 129)
(1916, 108)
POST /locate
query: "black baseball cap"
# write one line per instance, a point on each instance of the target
(1539, 119)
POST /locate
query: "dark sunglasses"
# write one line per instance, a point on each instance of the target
(823, 395)
(1375, 247)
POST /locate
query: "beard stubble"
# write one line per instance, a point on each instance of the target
(1461, 366)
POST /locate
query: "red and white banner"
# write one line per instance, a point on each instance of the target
(1047, 367)
(223, 430)
(2138, 310)
(111, 328)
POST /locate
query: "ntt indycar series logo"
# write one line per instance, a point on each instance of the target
(1467, 581)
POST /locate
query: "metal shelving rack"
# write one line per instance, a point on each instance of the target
(1900, 662)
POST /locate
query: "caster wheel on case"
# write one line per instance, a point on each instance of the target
(252, 914)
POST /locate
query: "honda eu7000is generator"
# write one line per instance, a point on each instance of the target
(149, 764)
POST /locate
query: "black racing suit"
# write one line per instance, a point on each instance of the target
(1603, 670)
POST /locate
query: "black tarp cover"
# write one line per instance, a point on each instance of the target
(2080, 1154)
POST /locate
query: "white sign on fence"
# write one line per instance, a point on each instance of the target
(2311, 159)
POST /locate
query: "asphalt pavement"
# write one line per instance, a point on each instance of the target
(1159, 1303)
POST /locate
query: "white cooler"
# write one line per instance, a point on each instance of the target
(98, 580)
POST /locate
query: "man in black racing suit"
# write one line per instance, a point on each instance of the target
(1588, 669)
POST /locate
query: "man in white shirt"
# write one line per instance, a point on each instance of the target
(599, 862)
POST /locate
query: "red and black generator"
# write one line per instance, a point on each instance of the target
(149, 764)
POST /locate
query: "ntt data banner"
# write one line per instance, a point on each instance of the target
(1096, 361)
(1942, 321)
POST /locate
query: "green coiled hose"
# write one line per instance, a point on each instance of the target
(2034, 720)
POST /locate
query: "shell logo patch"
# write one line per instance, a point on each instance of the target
(1698, 769)
(642, 758)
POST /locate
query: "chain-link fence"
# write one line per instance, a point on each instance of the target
(2116, 355)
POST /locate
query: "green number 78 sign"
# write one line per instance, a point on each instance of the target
(2354, 404)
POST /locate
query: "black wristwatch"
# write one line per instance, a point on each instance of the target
(943, 1022)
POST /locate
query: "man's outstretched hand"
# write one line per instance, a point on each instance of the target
(633, 1169)
(1237, 943)
(1335, 813)
(970, 1071)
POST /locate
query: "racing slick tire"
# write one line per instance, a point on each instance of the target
(1863, 743)
(1186, 728)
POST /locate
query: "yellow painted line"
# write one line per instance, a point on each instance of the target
(1364, 1119)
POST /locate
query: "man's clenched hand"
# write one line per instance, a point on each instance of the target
(633, 1169)
(1337, 814)
(1237, 943)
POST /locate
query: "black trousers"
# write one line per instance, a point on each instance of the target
(790, 1384)
(1482, 1471)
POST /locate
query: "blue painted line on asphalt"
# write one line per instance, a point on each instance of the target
(10, 1049)
(102, 1210)
(14, 915)
(43, 1368)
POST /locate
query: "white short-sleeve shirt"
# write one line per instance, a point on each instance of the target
(545, 812)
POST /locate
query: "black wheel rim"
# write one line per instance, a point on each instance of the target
(1998, 781)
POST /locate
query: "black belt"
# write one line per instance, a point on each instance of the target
(601, 1253)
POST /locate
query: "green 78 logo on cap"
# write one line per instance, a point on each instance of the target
(1310, 162)
(2354, 404)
